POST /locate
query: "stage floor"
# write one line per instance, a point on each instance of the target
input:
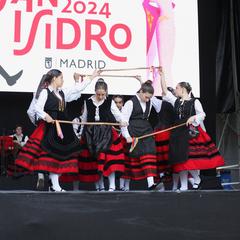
(120, 215)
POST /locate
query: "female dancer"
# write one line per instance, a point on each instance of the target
(191, 149)
(45, 151)
(102, 153)
(141, 162)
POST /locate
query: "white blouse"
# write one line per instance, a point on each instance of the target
(200, 114)
(128, 108)
(114, 109)
(76, 126)
(71, 94)
(31, 110)
(20, 139)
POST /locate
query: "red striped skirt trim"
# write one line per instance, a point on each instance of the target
(89, 168)
(140, 168)
(162, 151)
(203, 154)
(34, 158)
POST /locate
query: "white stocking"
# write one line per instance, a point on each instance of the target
(175, 181)
(54, 177)
(150, 181)
(111, 179)
(184, 180)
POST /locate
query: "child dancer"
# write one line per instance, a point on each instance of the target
(123, 183)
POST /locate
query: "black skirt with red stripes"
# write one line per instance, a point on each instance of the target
(105, 162)
(34, 158)
(144, 165)
(162, 151)
(142, 162)
(141, 167)
(202, 154)
(14, 170)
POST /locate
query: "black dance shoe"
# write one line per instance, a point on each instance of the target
(153, 187)
(51, 189)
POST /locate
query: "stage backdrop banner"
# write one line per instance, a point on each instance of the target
(79, 36)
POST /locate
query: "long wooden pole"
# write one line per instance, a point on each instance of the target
(111, 75)
(161, 131)
(136, 139)
(89, 123)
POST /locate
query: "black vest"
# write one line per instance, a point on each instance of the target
(61, 149)
(179, 139)
(138, 126)
(137, 112)
(22, 140)
(105, 114)
(185, 110)
(54, 106)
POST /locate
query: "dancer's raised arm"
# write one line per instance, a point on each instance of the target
(162, 81)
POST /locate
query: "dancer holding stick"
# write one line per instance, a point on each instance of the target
(141, 160)
(45, 151)
(191, 149)
(102, 154)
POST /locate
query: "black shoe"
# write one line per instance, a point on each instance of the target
(51, 189)
(153, 187)
(197, 186)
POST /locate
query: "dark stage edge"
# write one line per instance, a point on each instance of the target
(134, 215)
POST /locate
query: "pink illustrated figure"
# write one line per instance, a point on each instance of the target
(160, 38)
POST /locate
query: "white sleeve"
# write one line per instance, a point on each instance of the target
(169, 97)
(39, 107)
(157, 104)
(75, 124)
(31, 110)
(74, 92)
(25, 141)
(84, 117)
(126, 114)
(115, 111)
(200, 114)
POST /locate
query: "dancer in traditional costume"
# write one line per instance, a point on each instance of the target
(191, 149)
(102, 154)
(45, 150)
(141, 163)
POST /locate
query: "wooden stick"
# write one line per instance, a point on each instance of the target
(89, 123)
(112, 75)
(164, 130)
(124, 69)
(136, 139)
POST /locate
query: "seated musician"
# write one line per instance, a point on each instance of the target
(19, 138)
